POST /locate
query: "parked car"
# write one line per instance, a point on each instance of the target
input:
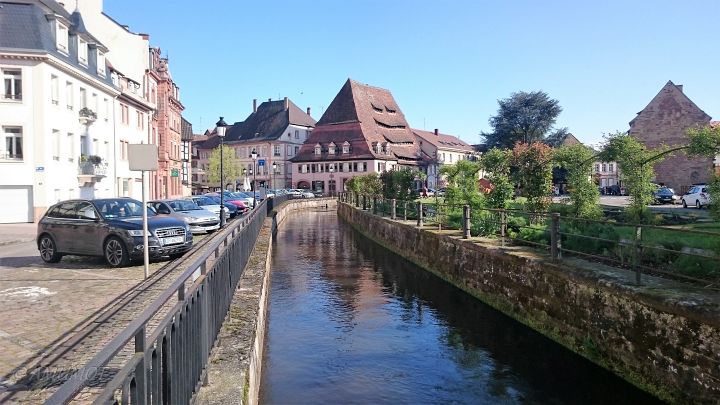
(199, 219)
(294, 193)
(318, 193)
(110, 228)
(210, 205)
(240, 203)
(245, 197)
(307, 194)
(664, 195)
(697, 196)
(270, 193)
(232, 208)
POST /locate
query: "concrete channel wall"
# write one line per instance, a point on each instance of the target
(662, 336)
(235, 365)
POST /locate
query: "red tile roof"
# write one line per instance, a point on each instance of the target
(444, 141)
(364, 116)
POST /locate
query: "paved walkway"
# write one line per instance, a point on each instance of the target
(17, 233)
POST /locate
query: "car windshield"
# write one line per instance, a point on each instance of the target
(121, 208)
(183, 205)
(203, 201)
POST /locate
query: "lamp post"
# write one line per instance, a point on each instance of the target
(332, 178)
(244, 172)
(220, 127)
(274, 166)
(254, 156)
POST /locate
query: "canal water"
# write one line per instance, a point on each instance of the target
(351, 322)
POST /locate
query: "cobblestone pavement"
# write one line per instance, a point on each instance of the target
(54, 317)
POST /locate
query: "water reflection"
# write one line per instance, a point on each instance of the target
(350, 322)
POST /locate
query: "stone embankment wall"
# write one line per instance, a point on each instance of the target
(662, 336)
(235, 365)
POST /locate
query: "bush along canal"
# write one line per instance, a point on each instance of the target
(351, 322)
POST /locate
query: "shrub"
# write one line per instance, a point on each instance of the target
(574, 239)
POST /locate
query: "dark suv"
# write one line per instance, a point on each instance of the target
(111, 228)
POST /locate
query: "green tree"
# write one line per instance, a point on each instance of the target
(399, 183)
(534, 173)
(367, 185)
(636, 167)
(705, 141)
(496, 163)
(577, 160)
(462, 183)
(231, 169)
(523, 117)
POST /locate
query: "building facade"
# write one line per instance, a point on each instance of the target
(664, 122)
(55, 110)
(362, 131)
(275, 130)
(442, 149)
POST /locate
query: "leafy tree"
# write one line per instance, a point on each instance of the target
(399, 183)
(636, 164)
(534, 173)
(557, 137)
(231, 168)
(367, 185)
(705, 141)
(577, 160)
(462, 180)
(496, 163)
(524, 117)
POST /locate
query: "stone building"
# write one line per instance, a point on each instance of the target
(664, 122)
(362, 131)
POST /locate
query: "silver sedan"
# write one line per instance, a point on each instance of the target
(200, 220)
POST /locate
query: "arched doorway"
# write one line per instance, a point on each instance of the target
(303, 185)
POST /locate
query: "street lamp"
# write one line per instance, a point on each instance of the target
(220, 128)
(274, 166)
(253, 155)
(332, 170)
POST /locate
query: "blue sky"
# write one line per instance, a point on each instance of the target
(446, 62)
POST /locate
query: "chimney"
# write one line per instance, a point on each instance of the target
(145, 36)
(269, 100)
(287, 104)
(308, 111)
(254, 105)
(436, 132)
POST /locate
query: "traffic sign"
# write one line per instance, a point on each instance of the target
(261, 162)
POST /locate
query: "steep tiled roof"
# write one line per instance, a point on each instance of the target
(269, 122)
(444, 141)
(370, 120)
(25, 26)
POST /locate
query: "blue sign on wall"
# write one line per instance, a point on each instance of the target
(261, 162)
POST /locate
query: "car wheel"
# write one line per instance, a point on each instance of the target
(116, 254)
(48, 250)
(684, 203)
(697, 204)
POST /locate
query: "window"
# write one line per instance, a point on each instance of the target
(125, 114)
(307, 133)
(69, 95)
(54, 89)
(85, 210)
(597, 167)
(124, 149)
(84, 145)
(71, 146)
(12, 84)
(346, 147)
(140, 120)
(276, 150)
(604, 167)
(101, 64)
(297, 134)
(611, 167)
(290, 150)
(13, 147)
(94, 103)
(331, 148)
(107, 109)
(61, 38)
(82, 51)
(83, 98)
(318, 149)
(56, 144)
(297, 149)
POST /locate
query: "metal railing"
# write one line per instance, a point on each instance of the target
(681, 254)
(168, 364)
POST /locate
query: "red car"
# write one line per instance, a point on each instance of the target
(229, 198)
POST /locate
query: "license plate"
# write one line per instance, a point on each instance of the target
(174, 239)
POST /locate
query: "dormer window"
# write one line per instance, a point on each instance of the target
(376, 147)
(318, 149)
(82, 51)
(61, 35)
(384, 147)
(101, 63)
(331, 148)
(346, 147)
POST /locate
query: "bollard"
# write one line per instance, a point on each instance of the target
(638, 253)
(419, 215)
(466, 222)
(393, 209)
(555, 236)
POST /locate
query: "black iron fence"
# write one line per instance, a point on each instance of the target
(168, 364)
(683, 254)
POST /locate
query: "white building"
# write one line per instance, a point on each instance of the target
(55, 110)
(443, 150)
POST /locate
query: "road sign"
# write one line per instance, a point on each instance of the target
(261, 162)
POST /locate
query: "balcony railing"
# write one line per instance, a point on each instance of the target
(91, 165)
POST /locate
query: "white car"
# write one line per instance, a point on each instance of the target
(294, 193)
(307, 194)
(697, 196)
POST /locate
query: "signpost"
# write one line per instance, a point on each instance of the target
(144, 157)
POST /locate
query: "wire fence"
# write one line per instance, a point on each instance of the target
(682, 254)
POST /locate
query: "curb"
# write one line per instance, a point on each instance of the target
(15, 241)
